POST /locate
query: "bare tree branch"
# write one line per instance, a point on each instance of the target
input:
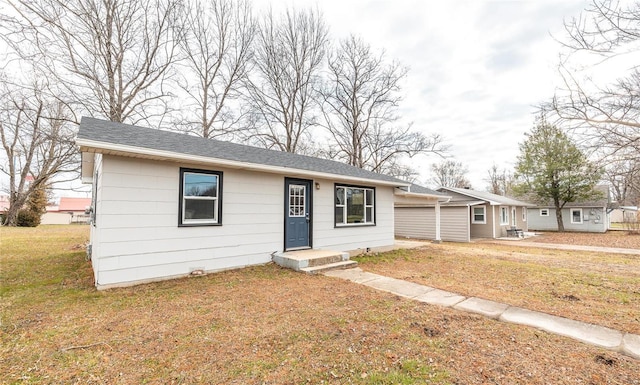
(289, 54)
(217, 45)
(107, 56)
(359, 103)
(37, 142)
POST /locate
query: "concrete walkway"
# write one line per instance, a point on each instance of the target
(625, 343)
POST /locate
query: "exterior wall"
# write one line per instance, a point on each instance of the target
(136, 237)
(549, 223)
(483, 230)
(55, 218)
(420, 223)
(349, 238)
(501, 230)
(620, 215)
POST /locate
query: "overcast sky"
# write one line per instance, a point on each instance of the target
(477, 68)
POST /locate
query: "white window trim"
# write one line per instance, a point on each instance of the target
(571, 211)
(504, 219)
(524, 214)
(484, 215)
(367, 221)
(544, 212)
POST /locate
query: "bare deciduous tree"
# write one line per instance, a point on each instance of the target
(360, 99)
(605, 114)
(217, 45)
(450, 173)
(109, 56)
(289, 54)
(501, 181)
(623, 174)
(37, 142)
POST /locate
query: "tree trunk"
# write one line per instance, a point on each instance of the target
(11, 215)
(559, 215)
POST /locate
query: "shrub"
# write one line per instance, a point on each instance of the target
(28, 218)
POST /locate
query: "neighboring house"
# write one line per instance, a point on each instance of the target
(590, 216)
(484, 215)
(418, 214)
(69, 210)
(167, 204)
(622, 214)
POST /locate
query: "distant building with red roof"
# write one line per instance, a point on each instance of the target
(69, 210)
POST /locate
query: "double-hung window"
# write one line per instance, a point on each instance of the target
(479, 215)
(200, 197)
(504, 215)
(354, 205)
(576, 216)
(544, 212)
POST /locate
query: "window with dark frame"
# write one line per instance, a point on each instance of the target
(354, 205)
(200, 197)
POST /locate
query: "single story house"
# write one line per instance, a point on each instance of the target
(167, 204)
(465, 215)
(585, 216)
(418, 215)
(68, 210)
(623, 214)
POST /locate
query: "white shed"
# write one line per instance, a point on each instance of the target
(168, 204)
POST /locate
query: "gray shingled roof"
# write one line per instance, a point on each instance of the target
(123, 134)
(414, 188)
(487, 196)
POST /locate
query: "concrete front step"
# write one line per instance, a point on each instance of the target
(330, 266)
(313, 261)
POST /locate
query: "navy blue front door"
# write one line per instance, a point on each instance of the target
(297, 214)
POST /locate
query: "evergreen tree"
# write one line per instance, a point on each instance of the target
(553, 168)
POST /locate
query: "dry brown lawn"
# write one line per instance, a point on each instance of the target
(260, 325)
(617, 238)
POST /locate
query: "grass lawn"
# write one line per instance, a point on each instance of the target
(260, 325)
(599, 288)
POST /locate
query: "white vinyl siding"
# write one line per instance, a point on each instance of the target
(136, 238)
(597, 223)
(420, 223)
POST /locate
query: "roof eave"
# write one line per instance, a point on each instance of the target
(92, 146)
(440, 198)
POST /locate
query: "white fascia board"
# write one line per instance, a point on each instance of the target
(140, 152)
(439, 198)
(86, 167)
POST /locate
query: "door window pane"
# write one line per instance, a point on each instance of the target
(297, 202)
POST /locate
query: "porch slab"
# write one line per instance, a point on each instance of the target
(304, 259)
(588, 333)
